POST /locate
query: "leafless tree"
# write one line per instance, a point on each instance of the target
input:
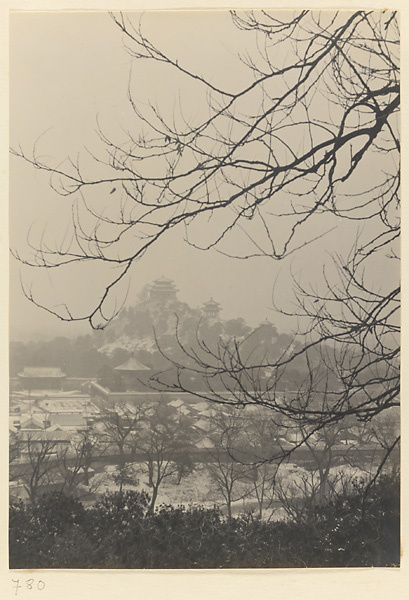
(299, 494)
(120, 423)
(385, 429)
(228, 461)
(263, 477)
(14, 448)
(162, 443)
(288, 145)
(259, 440)
(321, 448)
(74, 462)
(315, 414)
(39, 466)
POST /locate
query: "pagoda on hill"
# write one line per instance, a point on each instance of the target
(163, 289)
(211, 309)
(266, 323)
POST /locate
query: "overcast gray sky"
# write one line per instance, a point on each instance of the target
(67, 68)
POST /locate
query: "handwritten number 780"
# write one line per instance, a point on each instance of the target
(30, 584)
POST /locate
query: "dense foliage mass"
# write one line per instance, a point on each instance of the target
(359, 529)
(147, 331)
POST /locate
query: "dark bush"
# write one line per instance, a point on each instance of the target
(360, 529)
(36, 529)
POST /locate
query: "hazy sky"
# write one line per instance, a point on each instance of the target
(67, 68)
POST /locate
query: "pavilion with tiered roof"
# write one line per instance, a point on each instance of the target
(211, 309)
(163, 289)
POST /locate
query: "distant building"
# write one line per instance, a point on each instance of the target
(34, 422)
(41, 378)
(211, 309)
(131, 372)
(163, 290)
(266, 323)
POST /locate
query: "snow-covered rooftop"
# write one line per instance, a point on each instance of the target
(42, 372)
(132, 364)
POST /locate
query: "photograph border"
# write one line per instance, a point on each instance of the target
(180, 584)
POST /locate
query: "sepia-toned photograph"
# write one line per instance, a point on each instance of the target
(204, 294)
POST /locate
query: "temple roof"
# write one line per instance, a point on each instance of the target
(211, 304)
(42, 372)
(45, 435)
(164, 284)
(132, 364)
(33, 422)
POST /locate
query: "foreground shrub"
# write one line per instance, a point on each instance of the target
(37, 532)
(359, 529)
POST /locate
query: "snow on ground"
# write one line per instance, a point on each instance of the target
(124, 342)
(194, 489)
(197, 488)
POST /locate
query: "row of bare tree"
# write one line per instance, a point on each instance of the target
(245, 456)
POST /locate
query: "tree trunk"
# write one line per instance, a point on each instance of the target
(228, 505)
(153, 500)
(180, 475)
(150, 476)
